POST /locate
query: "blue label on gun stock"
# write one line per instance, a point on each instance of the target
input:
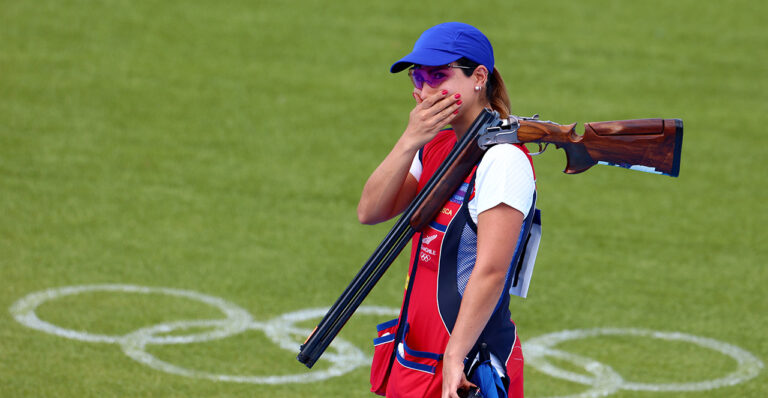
(646, 169)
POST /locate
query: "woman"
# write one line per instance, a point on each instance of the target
(461, 265)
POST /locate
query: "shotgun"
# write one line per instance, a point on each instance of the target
(651, 145)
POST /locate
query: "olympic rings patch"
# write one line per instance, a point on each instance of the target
(344, 357)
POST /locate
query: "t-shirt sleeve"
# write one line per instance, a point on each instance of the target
(416, 166)
(505, 175)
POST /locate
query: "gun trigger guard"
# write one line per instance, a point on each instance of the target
(542, 148)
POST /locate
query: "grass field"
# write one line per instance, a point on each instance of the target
(220, 148)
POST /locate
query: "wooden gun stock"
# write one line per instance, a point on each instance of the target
(645, 144)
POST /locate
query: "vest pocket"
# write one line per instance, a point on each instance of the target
(383, 347)
(414, 373)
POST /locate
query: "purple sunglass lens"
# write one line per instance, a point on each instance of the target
(432, 77)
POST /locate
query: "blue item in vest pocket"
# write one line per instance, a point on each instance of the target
(485, 377)
(488, 382)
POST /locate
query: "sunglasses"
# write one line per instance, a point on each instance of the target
(433, 76)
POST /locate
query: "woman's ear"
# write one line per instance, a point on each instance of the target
(480, 75)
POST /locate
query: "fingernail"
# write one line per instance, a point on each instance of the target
(456, 112)
(445, 92)
(458, 102)
(457, 96)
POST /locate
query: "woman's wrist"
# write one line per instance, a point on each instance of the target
(453, 354)
(408, 144)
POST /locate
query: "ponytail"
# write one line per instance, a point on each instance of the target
(497, 94)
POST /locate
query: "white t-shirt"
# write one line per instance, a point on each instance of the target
(504, 175)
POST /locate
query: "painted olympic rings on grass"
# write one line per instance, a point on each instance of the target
(602, 380)
(606, 381)
(343, 356)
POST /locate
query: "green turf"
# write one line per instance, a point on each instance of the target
(221, 148)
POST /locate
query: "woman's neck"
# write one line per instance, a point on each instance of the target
(462, 124)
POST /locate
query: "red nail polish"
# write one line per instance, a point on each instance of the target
(457, 96)
(445, 92)
(458, 102)
(456, 112)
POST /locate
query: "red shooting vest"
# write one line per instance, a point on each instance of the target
(408, 352)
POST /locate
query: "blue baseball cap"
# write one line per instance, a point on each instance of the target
(448, 42)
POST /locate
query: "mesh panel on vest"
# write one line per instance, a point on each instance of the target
(466, 257)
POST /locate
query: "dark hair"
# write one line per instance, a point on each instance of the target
(495, 90)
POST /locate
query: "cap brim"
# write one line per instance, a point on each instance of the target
(426, 57)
